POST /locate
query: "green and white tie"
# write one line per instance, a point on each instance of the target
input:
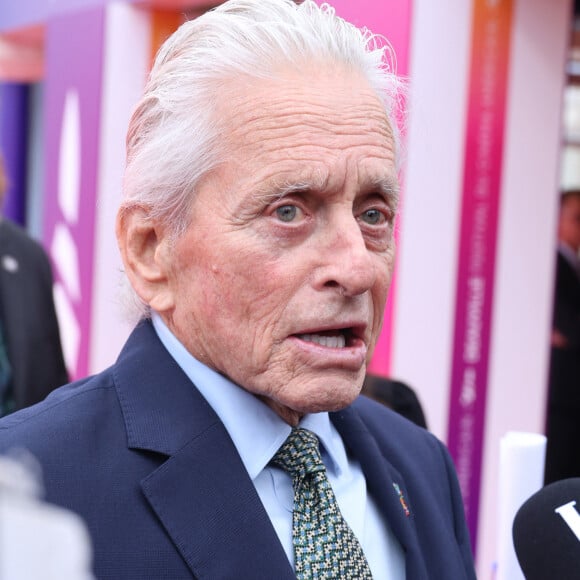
(324, 544)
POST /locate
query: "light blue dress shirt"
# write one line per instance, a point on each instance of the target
(258, 432)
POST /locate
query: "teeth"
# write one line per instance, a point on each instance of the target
(329, 341)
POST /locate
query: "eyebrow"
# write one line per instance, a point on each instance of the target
(275, 189)
(388, 187)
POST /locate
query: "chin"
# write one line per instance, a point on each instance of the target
(314, 395)
(333, 400)
(292, 411)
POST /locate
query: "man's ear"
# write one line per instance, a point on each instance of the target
(144, 246)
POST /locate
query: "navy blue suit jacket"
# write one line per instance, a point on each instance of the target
(141, 456)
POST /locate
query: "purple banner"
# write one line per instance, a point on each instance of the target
(13, 147)
(74, 54)
(488, 80)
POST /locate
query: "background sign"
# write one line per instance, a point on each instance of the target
(488, 79)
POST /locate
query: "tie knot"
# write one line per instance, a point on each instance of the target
(299, 454)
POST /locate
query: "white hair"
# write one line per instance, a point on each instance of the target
(174, 137)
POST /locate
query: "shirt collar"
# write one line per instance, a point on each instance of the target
(256, 430)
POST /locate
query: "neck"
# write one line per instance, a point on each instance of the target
(285, 413)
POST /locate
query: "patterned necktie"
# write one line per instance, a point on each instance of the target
(324, 544)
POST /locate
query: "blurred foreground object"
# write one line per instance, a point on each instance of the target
(521, 473)
(38, 540)
(546, 532)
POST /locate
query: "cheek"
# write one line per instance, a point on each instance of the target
(380, 294)
(384, 277)
(384, 288)
(245, 292)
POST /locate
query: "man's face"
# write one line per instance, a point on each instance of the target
(569, 227)
(281, 279)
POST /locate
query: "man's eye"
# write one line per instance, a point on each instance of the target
(287, 213)
(373, 216)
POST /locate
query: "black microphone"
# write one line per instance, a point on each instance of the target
(546, 532)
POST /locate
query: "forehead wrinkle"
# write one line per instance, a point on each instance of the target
(362, 125)
(291, 174)
(285, 129)
(296, 110)
(302, 143)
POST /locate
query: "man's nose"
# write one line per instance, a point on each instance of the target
(348, 263)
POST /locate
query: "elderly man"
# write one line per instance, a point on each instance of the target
(228, 441)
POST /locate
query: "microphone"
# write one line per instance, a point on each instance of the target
(546, 532)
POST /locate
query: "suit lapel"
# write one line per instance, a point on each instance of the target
(210, 508)
(386, 485)
(201, 493)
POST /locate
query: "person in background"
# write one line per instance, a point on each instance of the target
(563, 426)
(31, 357)
(256, 231)
(396, 395)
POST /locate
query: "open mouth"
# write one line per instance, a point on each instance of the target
(339, 338)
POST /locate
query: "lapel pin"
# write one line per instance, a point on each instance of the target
(10, 263)
(402, 499)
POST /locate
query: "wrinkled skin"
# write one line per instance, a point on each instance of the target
(280, 281)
